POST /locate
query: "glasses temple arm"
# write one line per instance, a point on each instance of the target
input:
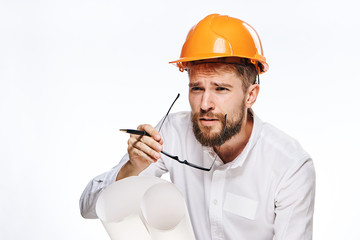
(168, 111)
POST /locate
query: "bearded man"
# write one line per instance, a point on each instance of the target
(241, 178)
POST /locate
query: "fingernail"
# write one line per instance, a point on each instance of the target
(157, 155)
(157, 137)
(159, 147)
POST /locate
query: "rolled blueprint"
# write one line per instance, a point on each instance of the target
(165, 213)
(144, 207)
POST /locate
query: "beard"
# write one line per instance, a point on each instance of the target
(208, 138)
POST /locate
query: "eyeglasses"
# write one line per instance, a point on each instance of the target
(185, 161)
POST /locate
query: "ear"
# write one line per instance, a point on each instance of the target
(251, 95)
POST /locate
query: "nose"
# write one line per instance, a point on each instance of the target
(207, 103)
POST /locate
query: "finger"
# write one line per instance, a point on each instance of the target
(147, 150)
(138, 157)
(138, 154)
(147, 145)
(156, 146)
(151, 131)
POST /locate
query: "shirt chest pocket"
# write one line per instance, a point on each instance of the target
(241, 206)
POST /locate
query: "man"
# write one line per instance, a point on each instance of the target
(260, 183)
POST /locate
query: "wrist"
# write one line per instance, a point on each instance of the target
(127, 170)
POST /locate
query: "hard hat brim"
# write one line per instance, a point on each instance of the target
(181, 62)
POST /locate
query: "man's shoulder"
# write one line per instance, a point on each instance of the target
(286, 148)
(286, 158)
(180, 118)
(179, 122)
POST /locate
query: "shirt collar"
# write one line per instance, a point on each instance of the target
(255, 134)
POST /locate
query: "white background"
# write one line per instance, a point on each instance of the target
(73, 72)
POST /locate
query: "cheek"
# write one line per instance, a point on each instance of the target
(236, 107)
(194, 103)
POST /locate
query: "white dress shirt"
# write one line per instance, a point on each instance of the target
(266, 192)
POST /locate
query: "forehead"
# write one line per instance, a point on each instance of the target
(216, 67)
(218, 71)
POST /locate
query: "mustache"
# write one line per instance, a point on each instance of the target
(209, 115)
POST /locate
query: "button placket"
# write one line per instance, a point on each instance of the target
(215, 209)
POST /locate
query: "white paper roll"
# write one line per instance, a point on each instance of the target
(163, 201)
(165, 213)
(144, 208)
(130, 228)
(123, 198)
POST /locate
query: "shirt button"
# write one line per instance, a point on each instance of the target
(215, 202)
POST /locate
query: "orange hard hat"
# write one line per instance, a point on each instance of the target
(219, 36)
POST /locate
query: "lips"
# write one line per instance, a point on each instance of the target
(205, 121)
(209, 119)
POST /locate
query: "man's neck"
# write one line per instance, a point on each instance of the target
(232, 148)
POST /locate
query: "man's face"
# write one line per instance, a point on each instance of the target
(211, 96)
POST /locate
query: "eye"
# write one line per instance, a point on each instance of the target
(196, 89)
(221, 89)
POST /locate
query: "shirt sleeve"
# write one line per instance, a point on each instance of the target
(93, 189)
(91, 193)
(294, 203)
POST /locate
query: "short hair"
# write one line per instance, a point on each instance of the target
(242, 67)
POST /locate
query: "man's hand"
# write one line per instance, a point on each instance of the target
(142, 150)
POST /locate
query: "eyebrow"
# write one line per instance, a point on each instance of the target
(222, 85)
(196, 84)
